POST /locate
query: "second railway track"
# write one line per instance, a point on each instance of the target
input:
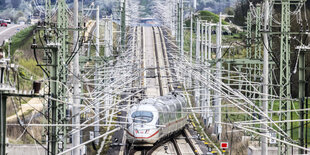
(179, 143)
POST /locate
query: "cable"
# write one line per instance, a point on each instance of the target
(25, 129)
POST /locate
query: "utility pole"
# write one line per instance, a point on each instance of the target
(48, 11)
(264, 142)
(106, 37)
(191, 40)
(178, 24)
(123, 23)
(209, 40)
(285, 74)
(197, 40)
(182, 29)
(197, 88)
(249, 49)
(58, 74)
(3, 120)
(5, 68)
(96, 128)
(218, 76)
(111, 36)
(191, 45)
(202, 42)
(76, 83)
(208, 77)
(257, 45)
(301, 95)
(206, 98)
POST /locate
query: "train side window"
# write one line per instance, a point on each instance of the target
(167, 114)
(179, 108)
(163, 112)
(179, 113)
(161, 118)
(166, 117)
(172, 112)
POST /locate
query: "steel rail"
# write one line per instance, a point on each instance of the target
(191, 144)
(157, 64)
(176, 146)
(165, 56)
(160, 143)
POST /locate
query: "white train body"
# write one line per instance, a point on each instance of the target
(156, 118)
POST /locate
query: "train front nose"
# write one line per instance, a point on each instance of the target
(145, 134)
(142, 133)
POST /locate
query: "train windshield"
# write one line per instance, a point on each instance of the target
(142, 116)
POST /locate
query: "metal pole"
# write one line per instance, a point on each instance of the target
(76, 87)
(301, 95)
(123, 24)
(197, 89)
(209, 41)
(111, 36)
(9, 48)
(54, 91)
(178, 24)
(206, 42)
(191, 46)
(96, 128)
(3, 123)
(202, 41)
(206, 96)
(248, 49)
(106, 37)
(209, 116)
(59, 74)
(264, 142)
(76, 82)
(182, 29)
(285, 74)
(191, 41)
(202, 91)
(197, 41)
(218, 76)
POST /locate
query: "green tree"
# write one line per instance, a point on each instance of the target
(241, 11)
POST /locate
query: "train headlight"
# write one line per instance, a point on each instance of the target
(136, 131)
(147, 131)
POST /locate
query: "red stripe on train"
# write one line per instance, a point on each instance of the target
(143, 137)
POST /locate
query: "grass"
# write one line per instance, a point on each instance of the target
(31, 66)
(206, 15)
(211, 17)
(19, 39)
(22, 55)
(237, 37)
(275, 117)
(294, 115)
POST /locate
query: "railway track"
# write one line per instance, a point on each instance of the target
(182, 145)
(178, 143)
(166, 61)
(159, 77)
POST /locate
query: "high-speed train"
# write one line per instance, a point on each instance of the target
(155, 118)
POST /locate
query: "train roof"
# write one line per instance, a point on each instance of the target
(163, 103)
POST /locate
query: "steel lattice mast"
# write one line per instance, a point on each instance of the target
(285, 72)
(59, 74)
